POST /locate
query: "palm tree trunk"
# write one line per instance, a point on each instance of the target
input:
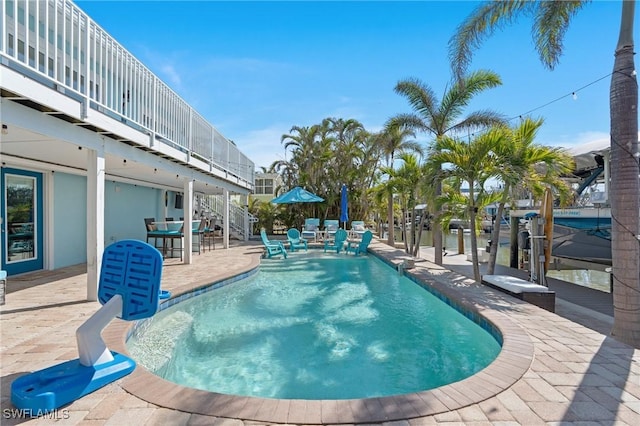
(403, 223)
(416, 250)
(390, 228)
(625, 185)
(495, 233)
(474, 235)
(413, 228)
(437, 228)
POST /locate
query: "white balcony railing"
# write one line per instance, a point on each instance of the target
(55, 42)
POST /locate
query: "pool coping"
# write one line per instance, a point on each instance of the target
(510, 365)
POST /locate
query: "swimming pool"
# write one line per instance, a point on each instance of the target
(317, 326)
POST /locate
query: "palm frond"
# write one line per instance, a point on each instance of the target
(481, 24)
(421, 97)
(551, 22)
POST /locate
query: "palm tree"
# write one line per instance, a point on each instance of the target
(551, 20)
(394, 139)
(303, 143)
(267, 214)
(322, 157)
(405, 180)
(366, 177)
(439, 118)
(408, 177)
(520, 163)
(345, 143)
(472, 163)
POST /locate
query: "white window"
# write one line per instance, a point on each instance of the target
(264, 187)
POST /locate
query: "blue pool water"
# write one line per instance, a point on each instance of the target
(314, 326)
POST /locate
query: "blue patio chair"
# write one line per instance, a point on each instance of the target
(273, 247)
(311, 226)
(330, 227)
(357, 247)
(337, 244)
(295, 240)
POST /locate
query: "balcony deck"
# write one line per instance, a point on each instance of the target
(102, 97)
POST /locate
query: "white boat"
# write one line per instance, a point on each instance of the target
(582, 232)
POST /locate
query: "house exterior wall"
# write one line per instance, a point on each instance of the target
(265, 192)
(69, 222)
(125, 204)
(63, 80)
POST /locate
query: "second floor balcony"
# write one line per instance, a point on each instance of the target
(56, 61)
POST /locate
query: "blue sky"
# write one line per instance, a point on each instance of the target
(255, 69)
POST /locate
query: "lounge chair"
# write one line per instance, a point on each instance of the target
(295, 240)
(357, 247)
(337, 244)
(358, 228)
(330, 227)
(310, 229)
(273, 247)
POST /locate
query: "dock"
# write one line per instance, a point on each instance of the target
(584, 301)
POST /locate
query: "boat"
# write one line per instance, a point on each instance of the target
(456, 223)
(586, 245)
(582, 232)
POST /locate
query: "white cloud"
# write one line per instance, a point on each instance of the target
(573, 141)
(171, 76)
(591, 137)
(263, 146)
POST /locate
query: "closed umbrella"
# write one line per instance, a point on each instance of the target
(344, 205)
(297, 195)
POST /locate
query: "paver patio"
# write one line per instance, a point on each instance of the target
(560, 368)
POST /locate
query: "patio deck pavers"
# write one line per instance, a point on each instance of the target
(556, 370)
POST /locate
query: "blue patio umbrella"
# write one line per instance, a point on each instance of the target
(297, 195)
(344, 205)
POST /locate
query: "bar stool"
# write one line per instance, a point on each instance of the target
(3, 286)
(209, 234)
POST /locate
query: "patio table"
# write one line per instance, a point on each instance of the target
(170, 231)
(170, 225)
(321, 235)
(354, 236)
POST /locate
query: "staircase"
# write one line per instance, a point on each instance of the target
(240, 220)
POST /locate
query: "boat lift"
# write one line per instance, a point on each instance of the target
(537, 257)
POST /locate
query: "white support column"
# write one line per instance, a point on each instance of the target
(247, 224)
(164, 204)
(188, 221)
(49, 220)
(225, 218)
(95, 219)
